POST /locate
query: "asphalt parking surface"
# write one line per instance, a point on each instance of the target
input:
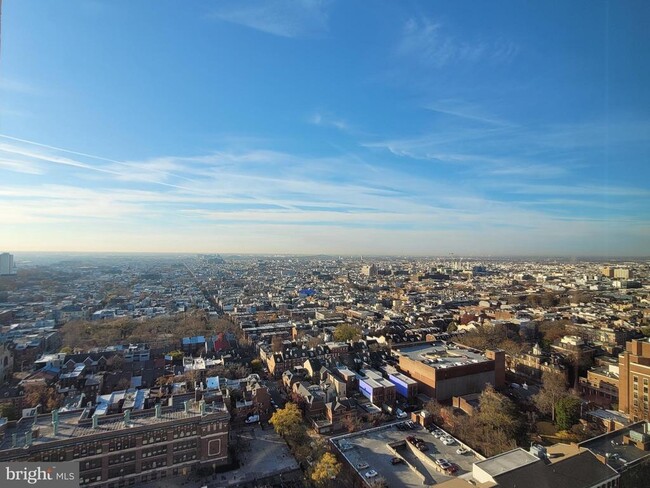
(371, 447)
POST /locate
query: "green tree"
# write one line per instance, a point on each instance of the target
(66, 350)
(287, 421)
(345, 332)
(326, 469)
(568, 412)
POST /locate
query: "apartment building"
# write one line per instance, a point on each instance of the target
(124, 450)
(634, 380)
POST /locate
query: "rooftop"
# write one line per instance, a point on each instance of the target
(611, 446)
(440, 355)
(506, 462)
(76, 424)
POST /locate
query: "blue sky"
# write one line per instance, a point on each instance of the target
(343, 127)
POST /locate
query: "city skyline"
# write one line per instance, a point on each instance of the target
(325, 127)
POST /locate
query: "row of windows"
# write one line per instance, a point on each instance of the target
(153, 464)
(157, 435)
(183, 445)
(184, 431)
(183, 457)
(56, 455)
(156, 451)
(87, 478)
(92, 464)
(121, 458)
(121, 470)
(120, 443)
(86, 449)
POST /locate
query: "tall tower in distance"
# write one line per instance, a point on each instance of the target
(7, 266)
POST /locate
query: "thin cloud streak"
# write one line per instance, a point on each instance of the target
(300, 18)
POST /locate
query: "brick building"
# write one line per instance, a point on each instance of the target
(124, 450)
(634, 379)
(445, 370)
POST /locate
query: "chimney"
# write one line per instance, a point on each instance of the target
(95, 421)
(158, 409)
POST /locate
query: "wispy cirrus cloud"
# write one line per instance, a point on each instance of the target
(319, 118)
(18, 86)
(327, 199)
(299, 18)
(428, 42)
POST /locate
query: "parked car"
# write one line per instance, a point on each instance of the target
(451, 469)
(252, 419)
(440, 461)
(437, 433)
(462, 450)
(362, 465)
(401, 414)
(448, 441)
(396, 460)
(371, 474)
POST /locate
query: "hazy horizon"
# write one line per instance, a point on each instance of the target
(326, 127)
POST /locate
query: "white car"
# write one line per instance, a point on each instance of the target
(448, 441)
(462, 450)
(371, 474)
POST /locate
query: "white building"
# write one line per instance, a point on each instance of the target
(7, 266)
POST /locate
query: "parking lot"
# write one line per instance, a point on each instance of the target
(370, 451)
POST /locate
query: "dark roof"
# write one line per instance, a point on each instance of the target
(581, 470)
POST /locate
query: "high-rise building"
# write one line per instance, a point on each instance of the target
(7, 266)
(634, 380)
(611, 272)
(369, 270)
(622, 273)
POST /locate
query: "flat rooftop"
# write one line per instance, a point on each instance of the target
(611, 444)
(73, 426)
(440, 355)
(371, 447)
(506, 461)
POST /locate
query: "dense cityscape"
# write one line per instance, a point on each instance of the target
(324, 244)
(366, 371)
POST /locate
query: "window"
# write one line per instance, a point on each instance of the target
(154, 436)
(121, 443)
(156, 451)
(121, 458)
